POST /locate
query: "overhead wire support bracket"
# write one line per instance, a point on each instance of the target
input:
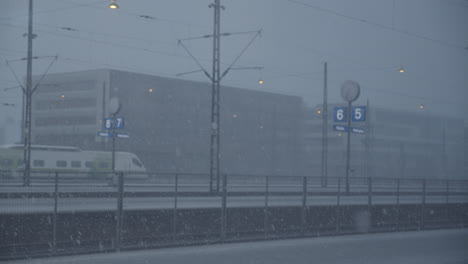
(16, 76)
(45, 73)
(241, 53)
(196, 61)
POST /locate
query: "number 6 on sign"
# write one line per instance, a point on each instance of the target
(340, 114)
(359, 113)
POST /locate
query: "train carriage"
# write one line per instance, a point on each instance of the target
(71, 160)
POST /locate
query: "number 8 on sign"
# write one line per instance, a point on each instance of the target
(108, 123)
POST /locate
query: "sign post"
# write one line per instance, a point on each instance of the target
(350, 91)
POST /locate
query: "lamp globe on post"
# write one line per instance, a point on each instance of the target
(113, 5)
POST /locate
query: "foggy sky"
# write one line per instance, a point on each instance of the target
(362, 40)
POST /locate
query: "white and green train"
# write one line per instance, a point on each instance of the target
(67, 159)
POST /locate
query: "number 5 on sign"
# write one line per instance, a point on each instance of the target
(358, 114)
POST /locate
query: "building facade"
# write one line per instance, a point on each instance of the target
(168, 121)
(395, 144)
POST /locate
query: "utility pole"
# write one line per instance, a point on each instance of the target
(28, 95)
(325, 129)
(215, 77)
(215, 99)
(28, 91)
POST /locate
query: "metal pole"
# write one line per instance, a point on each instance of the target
(174, 219)
(113, 144)
(27, 121)
(223, 209)
(423, 204)
(398, 204)
(215, 100)
(265, 208)
(338, 202)
(325, 129)
(304, 205)
(348, 147)
(54, 231)
(447, 210)
(369, 194)
(119, 211)
(368, 141)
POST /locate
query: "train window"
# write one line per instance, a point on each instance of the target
(76, 164)
(38, 163)
(103, 165)
(90, 164)
(137, 162)
(61, 163)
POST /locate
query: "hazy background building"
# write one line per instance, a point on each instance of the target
(395, 144)
(168, 121)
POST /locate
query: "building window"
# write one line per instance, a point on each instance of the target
(76, 164)
(38, 163)
(61, 163)
(66, 121)
(6, 162)
(64, 103)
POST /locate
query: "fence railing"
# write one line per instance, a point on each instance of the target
(185, 203)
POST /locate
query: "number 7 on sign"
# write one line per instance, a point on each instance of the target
(119, 122)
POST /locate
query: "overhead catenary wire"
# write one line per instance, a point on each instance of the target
(382, 26)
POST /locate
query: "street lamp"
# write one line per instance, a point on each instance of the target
(401, 70)
(113, 4)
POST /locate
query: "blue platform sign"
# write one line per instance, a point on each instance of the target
(354, 130)
(108, 123)
(340, 128)
(340, 114)
(123, 135)
(358, 114)
(104, 134)
(119, 123)
(357, 130)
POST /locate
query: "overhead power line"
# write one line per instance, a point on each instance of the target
(377, 25)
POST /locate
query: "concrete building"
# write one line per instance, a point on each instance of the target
(168, 121)
(395, 144)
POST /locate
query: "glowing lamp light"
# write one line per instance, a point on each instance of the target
(150, 90)
(260, 81)
(113, 5)
(401, 70)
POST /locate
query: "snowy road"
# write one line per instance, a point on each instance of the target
(428, 247)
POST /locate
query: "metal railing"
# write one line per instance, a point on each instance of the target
(178, 197)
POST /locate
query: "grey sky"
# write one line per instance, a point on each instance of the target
(363, 40)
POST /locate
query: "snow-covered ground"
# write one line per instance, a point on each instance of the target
(428, 247)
